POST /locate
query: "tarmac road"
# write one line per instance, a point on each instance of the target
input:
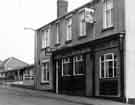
(10, 96)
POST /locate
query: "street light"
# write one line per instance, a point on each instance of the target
(35, 47)
(35, 40)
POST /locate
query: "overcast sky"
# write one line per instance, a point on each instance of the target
(17, 14)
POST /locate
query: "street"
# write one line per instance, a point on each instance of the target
(11, 96)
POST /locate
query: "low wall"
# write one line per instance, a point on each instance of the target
(23, 84)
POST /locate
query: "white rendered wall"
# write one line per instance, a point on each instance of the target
(130, 48)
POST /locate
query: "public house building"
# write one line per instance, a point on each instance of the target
(83, 52)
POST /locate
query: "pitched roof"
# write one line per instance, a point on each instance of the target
(13, 63)
(90, 2)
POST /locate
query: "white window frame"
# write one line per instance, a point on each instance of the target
(82, 23)
(107, 14)
(64, 61)
(57, 33)
(75, 60)
(43, 39)
(46, 38)
(105, 69)
(69, 28)
(46, 63)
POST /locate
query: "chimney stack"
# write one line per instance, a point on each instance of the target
(62, 7)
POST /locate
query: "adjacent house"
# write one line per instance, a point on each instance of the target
(11, 68)
(15, 71)
(2, 76)
(83, 52)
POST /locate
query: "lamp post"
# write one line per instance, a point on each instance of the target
(35, 50)
(35, 38)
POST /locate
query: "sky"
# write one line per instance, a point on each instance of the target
(17, 14)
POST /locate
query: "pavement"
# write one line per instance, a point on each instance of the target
(72, 99)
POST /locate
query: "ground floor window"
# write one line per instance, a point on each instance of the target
(108, 66)
(73, 66)
(78, 65)
(45, 72)
(66, 66)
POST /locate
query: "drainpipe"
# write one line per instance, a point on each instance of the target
(57, 77)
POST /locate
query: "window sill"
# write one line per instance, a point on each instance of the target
(115, 78)
(42, 49)
(66, 75)
(45, 82)
(78, 74)
(57, 44)
(68, 41)
(108, 28)
(82, 36)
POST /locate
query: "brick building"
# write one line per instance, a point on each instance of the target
(83, 52)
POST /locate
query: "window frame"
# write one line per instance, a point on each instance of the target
(82, 23)
(108, 14)
(46, 37)
(45, 79)
(105, 70)
(43, 39)
(65, 62)
(58, 32)
(76, 60)
(69, 28)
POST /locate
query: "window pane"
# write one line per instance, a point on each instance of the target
(57, 34)
(102, 70)
(102, 58)
(69, 29)
(115, 66)
(47, 75)
(107, 9)
(82, 24)
(108, 56)
(45, 72)
(45, 38)
(79, 67)
(48, 37)
(84, 28)
(67, 69)
(110, 68)
(109, 18)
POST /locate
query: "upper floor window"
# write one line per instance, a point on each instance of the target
(57, 33)
(69, 28)
(108, 66)
(46, 38)
(82, 23)
(45, 72)
(107, 13)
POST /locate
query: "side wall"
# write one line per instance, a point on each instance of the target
(130, 51)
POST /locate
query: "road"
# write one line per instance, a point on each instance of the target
(10, 96)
